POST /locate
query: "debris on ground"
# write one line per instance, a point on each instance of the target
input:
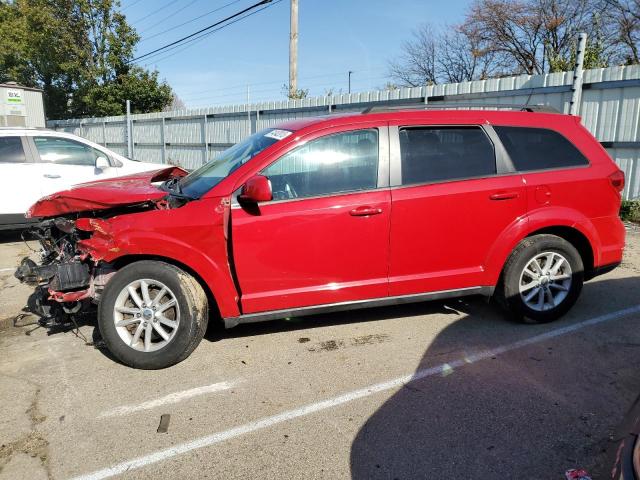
(164, 423)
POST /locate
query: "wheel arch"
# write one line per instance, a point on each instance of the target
(576, 238)
(565, 223)
(214, 308)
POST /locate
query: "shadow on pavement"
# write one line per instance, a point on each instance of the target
(531, 413)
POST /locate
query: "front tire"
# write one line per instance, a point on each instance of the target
(152, 315)
(541, 280)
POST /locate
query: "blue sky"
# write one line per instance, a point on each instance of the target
(335, 37)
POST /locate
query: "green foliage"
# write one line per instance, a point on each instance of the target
(299, 94)
(79, 53)
(630, 210)
(594, 57)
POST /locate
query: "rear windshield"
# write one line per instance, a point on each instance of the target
(200, 181)
(539, 149)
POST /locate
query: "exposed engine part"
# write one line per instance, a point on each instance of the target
(70, 276)
(61, 277)
(68, 280)
(31, 273)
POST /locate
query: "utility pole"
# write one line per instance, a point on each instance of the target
(293, 50)
(576, 87)
(129, 133)
(350, 72)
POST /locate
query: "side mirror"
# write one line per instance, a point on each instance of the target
(257, 189)
(102, 163)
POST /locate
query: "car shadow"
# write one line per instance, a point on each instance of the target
(530, 413)
(217, 332)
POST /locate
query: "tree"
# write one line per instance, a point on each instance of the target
(462, 59)
(299, 94)
(79, 52)
(144, 90)
(538, 36)
(176, 104)
(625, 16)
(432, 57)
(417, 64)
(506, 37)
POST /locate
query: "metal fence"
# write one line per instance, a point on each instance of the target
(609, 107)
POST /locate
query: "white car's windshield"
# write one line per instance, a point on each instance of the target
(200, 181)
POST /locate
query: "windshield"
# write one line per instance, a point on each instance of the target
(200, 181)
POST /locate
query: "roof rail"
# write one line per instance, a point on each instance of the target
(470, 106)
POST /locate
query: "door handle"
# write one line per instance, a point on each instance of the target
(503, 195)
(51, 175)
(365, 211)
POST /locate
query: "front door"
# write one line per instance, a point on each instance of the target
(65, 162)
(450, 205)
(324, 237)
(21, 180)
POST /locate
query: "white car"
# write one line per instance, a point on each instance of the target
(37, 162)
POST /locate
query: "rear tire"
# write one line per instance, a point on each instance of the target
(541, 280)
(152, 315)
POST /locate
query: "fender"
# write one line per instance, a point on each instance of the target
(154, 234)
(538, 219)
(216, 277)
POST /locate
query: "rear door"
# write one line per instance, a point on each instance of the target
(66, 162)
(21, 185)
(453, 193)
(324, 238)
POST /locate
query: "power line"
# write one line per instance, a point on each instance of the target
(283, 82)
(189, 21)
(131, 5)
(266, 96)
(171, 15)
(189, 43)
(153, 13)
(237, 14)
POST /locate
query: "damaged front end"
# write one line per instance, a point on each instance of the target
(67, 280)
(77, 243)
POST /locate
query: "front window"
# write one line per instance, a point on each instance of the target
(200, 181)
(339, 163)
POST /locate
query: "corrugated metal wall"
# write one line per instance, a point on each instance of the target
(610, 109)
(35, 108)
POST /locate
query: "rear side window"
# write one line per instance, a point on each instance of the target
(435, 154)
(539, 149)
(11, 150)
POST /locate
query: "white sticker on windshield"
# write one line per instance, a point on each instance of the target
(278, 134)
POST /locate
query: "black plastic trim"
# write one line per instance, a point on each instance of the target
(230, 322)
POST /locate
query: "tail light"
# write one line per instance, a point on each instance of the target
(617, 180)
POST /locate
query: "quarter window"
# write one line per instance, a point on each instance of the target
(66, 152)
(539, 148)
(11, 150)
(436, 154)
(338, 163)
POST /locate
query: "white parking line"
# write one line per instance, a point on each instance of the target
(266, 422)
(167, 399)
(11, 269)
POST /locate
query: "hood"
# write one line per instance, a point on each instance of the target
(104, 194)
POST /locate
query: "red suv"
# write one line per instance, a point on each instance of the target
(335, 213)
